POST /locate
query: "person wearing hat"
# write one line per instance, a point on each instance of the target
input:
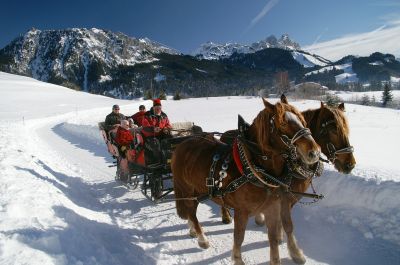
(156, 126)
(138, 117)
(156, 122)
(113, 120)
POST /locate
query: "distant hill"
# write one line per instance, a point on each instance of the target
(376, 68)
(113, 64)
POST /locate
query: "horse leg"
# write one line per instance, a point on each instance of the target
(273, 222)
(195, 228)
(226, 215)
(260, 220)
(240, 223)
(192, 231)
(294, 251)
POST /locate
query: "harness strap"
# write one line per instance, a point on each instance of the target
(333, 152)
(235, 184)
(210, 182)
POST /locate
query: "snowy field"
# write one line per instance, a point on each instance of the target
(60, 204)
(357, 96)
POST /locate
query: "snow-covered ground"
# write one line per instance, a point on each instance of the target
(357, 96)
(60, 204)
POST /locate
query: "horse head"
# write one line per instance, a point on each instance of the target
(282, 127)
(333, 136)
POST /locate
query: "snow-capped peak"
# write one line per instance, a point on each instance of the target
(212, 51)
(54, 54)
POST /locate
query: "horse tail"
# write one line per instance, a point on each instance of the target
(181, 208)
(179, 188)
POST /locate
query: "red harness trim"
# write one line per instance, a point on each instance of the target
(236, 157)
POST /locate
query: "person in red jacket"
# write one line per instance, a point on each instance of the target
(156, 127)
(124, 137)
(138, 117)
(156, 122)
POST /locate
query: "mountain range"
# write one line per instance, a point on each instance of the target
(114, 64)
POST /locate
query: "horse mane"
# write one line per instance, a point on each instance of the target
(340, 119)
(310, 114)
(341, 122)
(263, 127)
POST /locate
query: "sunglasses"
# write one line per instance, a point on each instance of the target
(116, 109)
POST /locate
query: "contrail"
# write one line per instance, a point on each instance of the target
(262, 14)
(319, 36)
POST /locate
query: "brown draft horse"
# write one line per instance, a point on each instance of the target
(192, 161)
(330, 129)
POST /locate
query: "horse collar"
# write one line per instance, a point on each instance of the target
(236, 157)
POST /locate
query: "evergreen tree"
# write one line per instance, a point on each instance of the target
(162, 95)
(148, 94)
(332, 100)
(387, 95)
(365, 100)
(177, 95)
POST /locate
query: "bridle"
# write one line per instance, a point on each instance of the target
(290, 142)
(332, 152)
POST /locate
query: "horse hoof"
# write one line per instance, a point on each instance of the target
(204, 244)
(238, 262)
(226, 220)
(275, 261)
(299, 259)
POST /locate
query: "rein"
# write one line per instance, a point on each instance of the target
(257, 175)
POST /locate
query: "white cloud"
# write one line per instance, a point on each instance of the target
(263, 12)
(385, 39)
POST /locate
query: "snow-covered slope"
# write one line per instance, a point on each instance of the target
(347, 77)
(61, 205)
(77, 54)
(214, 51)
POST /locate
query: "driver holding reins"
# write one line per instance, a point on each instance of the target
(156, 122)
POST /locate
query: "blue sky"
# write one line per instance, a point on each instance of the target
(185, 24)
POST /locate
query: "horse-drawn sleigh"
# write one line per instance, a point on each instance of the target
(148, 159)
(263, 170)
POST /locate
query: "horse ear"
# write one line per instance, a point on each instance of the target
(322, 105)
(284, 99)
(341, 107)
(268, 105)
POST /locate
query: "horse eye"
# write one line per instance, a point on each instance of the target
(334, 132)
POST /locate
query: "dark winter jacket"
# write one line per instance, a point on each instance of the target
(112, 119)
